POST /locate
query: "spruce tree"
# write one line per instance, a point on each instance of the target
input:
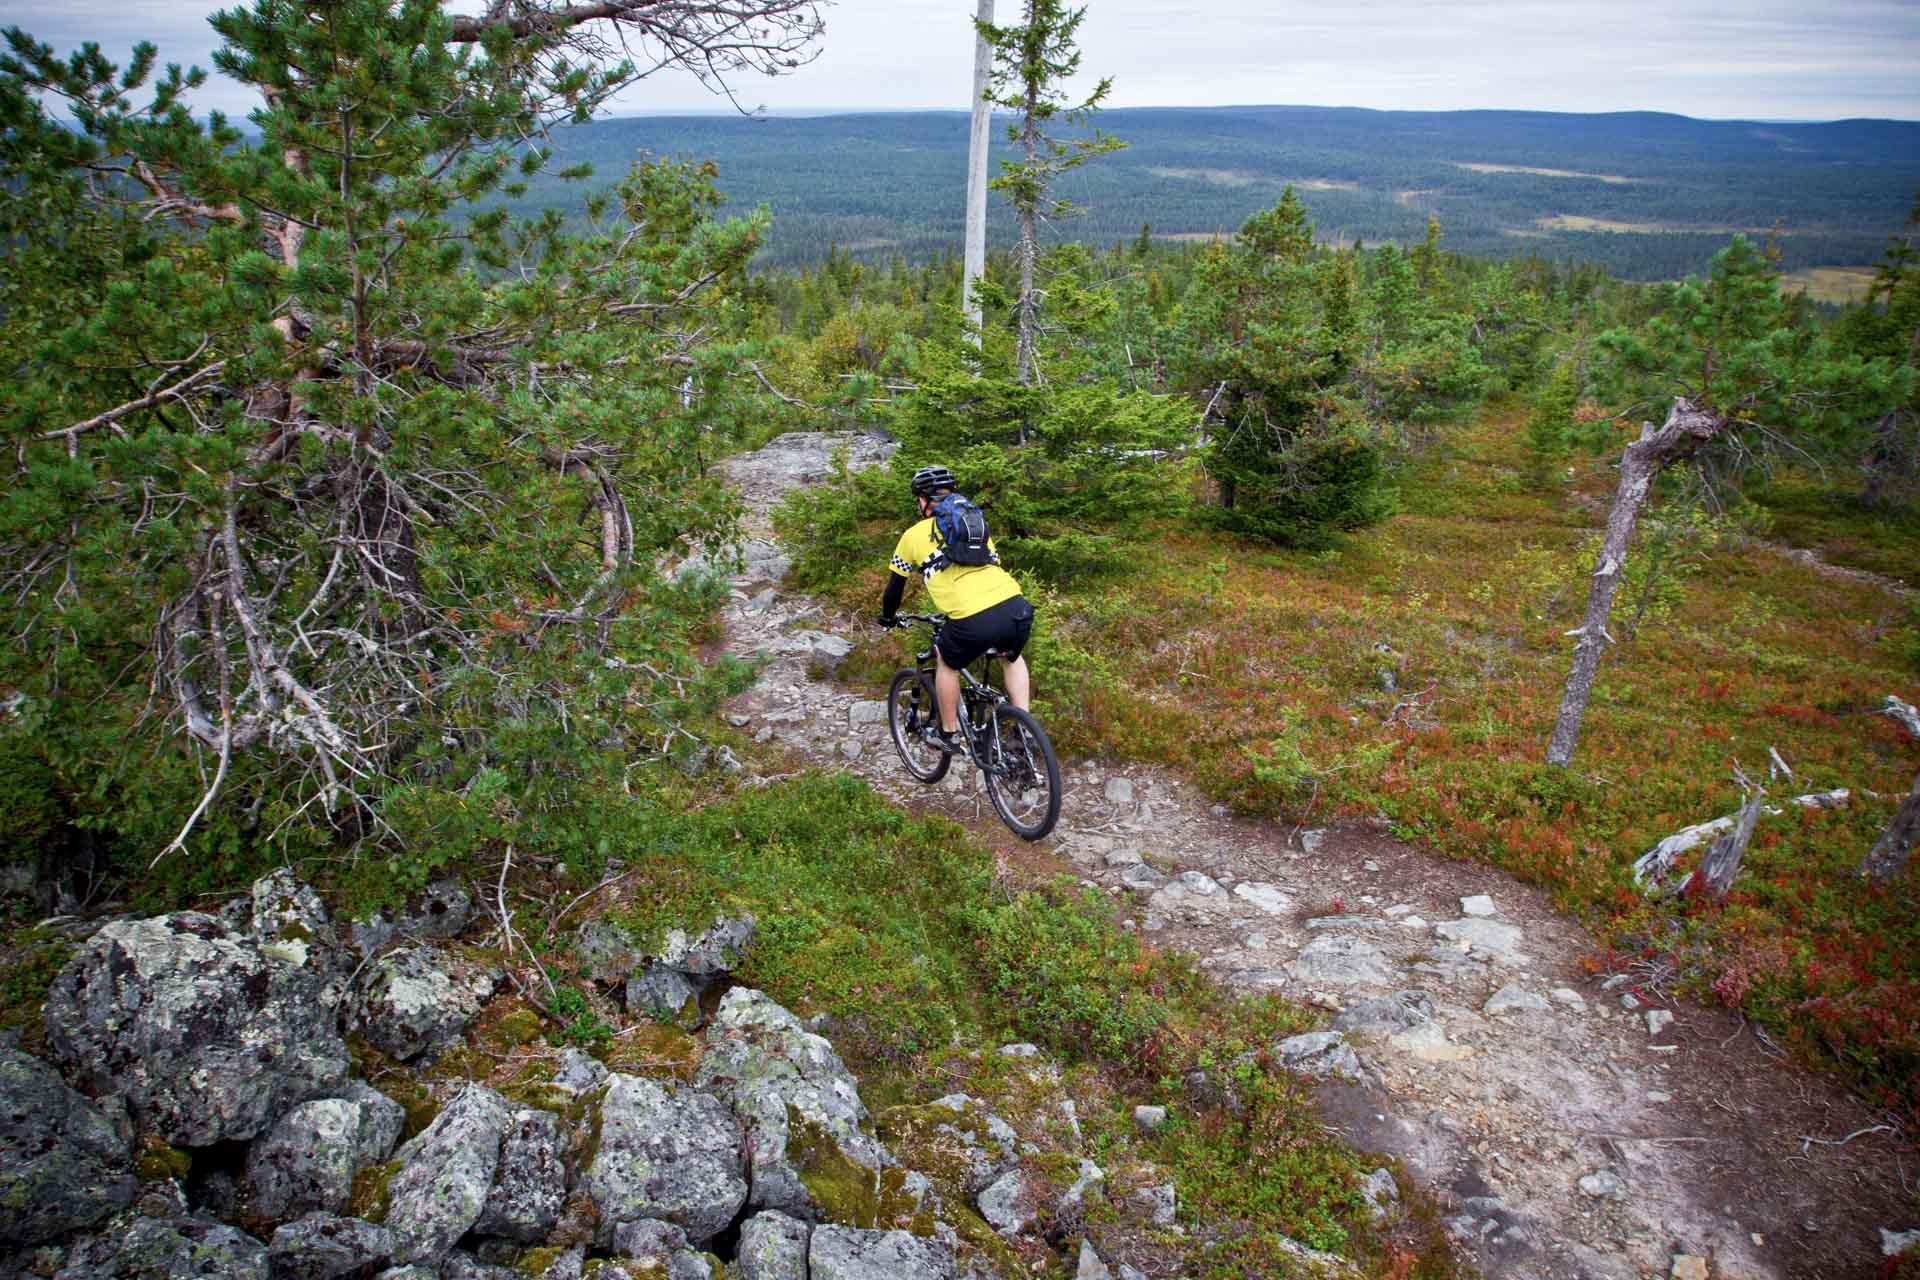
(1032, 62)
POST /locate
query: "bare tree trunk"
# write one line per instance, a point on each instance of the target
(1721, 862)
(1023, 351)
(1684, 430)
(1888, 857)
(976, 246)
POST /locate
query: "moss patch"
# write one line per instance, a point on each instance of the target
(847, 1192)
(155, 1161)
(656, 1049)
(368, 1199)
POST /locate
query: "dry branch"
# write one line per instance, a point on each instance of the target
(1651, 867)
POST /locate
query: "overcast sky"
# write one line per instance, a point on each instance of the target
(1810, 59)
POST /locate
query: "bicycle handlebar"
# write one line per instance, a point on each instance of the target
(930, 619)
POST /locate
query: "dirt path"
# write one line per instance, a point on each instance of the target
(1572, 1124)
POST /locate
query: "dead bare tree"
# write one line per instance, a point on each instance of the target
(1888, 856)
(1687, 427)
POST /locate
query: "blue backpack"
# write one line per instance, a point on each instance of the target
(962, 531)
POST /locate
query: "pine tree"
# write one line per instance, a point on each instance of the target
(322, 513)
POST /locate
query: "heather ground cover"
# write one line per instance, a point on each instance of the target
(1415, 671)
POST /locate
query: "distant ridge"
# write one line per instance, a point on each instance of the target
(1648, 194)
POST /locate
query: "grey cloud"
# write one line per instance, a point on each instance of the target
(1701, 57)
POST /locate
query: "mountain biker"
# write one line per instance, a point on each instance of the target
(983, 604)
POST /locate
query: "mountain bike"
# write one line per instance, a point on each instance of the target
(1007, 745)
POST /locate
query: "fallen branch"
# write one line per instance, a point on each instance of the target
(1904, 713)
(1650, 867)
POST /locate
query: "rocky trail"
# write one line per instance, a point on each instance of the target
(1570, 1123)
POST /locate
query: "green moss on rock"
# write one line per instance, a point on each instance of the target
(156, 1161)
(368, 1199)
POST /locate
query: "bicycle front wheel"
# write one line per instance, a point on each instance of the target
(910, 710)
(1022, 774)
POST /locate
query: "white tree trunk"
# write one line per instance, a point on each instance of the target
(1684, 430)
(975, 261)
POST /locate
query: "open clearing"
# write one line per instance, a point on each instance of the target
(1578, 222)
(1837, 285)
(1618, 179)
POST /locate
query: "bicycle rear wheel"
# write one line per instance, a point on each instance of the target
(1022, 774)
(910, 710)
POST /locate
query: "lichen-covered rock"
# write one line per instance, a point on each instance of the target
(321, 1246)
(578, 1073)
(287, 913)
(649, 1247)
(382, 1120)
(63, 1164)
(848, 1253)
(773, 1246)
(672, 1154)
(662, 993)
(306, 1161)
(445, 1174)
(531, 1184)
(441, 911)
(207, 1036)
(1009, 1203)
(416, 1000)
(179, 1248)
(1320, 1053)
(771, 1070)
(464, 1266)
(715, 950)
(605, 952)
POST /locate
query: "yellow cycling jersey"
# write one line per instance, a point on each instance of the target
(958, 591)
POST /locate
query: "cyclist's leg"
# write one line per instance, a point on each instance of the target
(1013, 671)
(946, 692)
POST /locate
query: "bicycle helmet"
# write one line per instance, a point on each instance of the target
(928, 481)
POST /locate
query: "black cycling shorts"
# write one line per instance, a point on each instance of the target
(1004, 626)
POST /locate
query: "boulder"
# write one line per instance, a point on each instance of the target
(672, 1154)
(648, 1247)
(605, 952)
(441, 911)
(179, 1248)
(663, 994)
(1158, 1203)
(579, 1073)
(445, 1175)
(849, 1253)
(321, 1246)
(774, 1074)
(1090, 1267)
(285, 912)
(530, 1185)
(417, 1000)
(773, 1246)
(1320, 1053)
(306, 1161)
(715, 950)
(382, 1120)
(206, 1034)
(63, 1164)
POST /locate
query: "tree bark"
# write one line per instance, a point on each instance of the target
(1721, 863)
(1028, 321)
(1888, 857)
(976, 246)
(1685, 429)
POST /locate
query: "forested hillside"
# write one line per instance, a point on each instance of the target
(1648, 196)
